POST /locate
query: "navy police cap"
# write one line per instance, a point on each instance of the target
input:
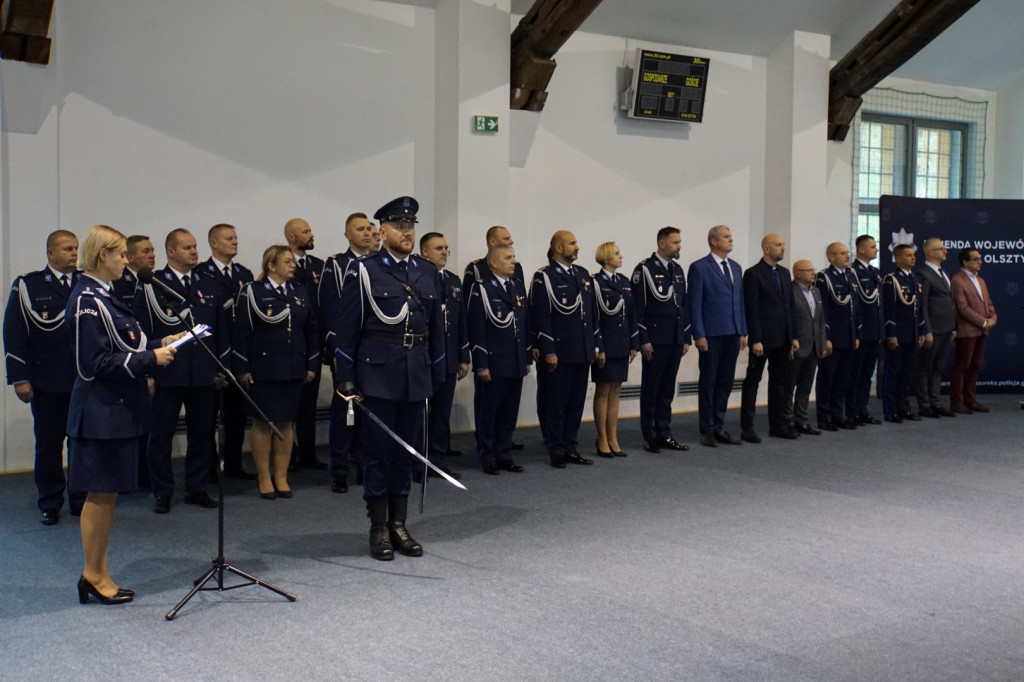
(398, 210)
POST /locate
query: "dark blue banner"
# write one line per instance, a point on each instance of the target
(995, 227)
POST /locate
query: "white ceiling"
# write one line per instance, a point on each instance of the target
(984, 49)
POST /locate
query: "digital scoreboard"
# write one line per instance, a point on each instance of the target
(668, 87)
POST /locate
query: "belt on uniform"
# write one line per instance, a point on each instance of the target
(404, 340)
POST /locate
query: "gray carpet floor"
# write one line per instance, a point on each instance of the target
(892, 552)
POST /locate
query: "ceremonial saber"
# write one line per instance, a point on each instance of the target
(426, 448)
(398, 439)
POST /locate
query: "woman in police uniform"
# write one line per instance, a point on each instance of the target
(109, 402)
(276, 351)
(621, 340)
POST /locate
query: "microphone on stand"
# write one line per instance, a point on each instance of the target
(146, 275)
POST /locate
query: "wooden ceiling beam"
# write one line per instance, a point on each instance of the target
(26, 24)
(539, 35)
(899, 36)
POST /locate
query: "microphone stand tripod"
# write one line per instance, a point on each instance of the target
(220, 564)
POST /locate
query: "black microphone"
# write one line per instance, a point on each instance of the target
(146, 275)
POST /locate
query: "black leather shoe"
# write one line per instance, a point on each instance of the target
(894, 419)
(910, 416)
(827, 426)
(672, 444)
(339, 484)
(49, 517)
(651, 446)
(577, 458)
(708, 439)
(402, 542)
(204, 501)
(86, 588)
(864, 419)
(848, 424)
(239, 475)
(942, 411)
(618, 453)
(606, 455)
(454, 474)
(511, 466)
(788, 434)
(269, 496)
(724, 436)
(380, 544)
(517, 446)
(928, 412)
(162, 505)
(750, 437)
(492, 468)
(808, 429)
(283, 494)
(558, 462)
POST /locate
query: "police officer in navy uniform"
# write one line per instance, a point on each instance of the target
(498, 321)
(564, 320)
(140, 255)
(434, 248)
(229, 277)
(41, 365)
(905, 329)
(189, 380)
(476, 271)
(838, 287)
(344, 439)
(389, 346)
(659, 290)
(308, 269)
(870, 333)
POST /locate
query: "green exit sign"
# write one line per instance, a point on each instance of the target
(485, 124)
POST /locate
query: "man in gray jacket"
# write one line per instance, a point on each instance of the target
(939, 311)
(809, 329)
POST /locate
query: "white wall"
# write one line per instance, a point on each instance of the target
(1008, 163)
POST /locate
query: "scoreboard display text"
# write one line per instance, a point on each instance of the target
(669, 87)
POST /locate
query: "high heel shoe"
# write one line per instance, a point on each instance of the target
(85, 588)
(269, 496)
(602, 453)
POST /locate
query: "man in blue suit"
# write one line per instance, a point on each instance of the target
(498, 321)
(189, 380)
(41, 364)
(563, 312)
(390, 347)
(718, 320)
(434, 248)
(659, 289)
(308, 269)
(343, 437)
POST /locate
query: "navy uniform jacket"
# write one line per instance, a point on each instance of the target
(37, 339)
(716, 305)
(619, 330)
(901, 305)
(870, 306)
(275, 334)
(229, 286)
(309, 276)
(110, 399)
(387, 342)
(564, 315)
(478, 271)
(192, 366)
(769, 307)
(499, 328)
(661, 309)
(328, 295)
(453, 306)
(839, 297)
(125, 287)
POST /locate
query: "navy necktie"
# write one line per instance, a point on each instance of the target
(778, 278)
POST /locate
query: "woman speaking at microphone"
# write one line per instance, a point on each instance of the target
(109, 402)
(276, 350)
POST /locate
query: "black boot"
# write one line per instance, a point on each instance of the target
(400, 538)
(380, 545)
